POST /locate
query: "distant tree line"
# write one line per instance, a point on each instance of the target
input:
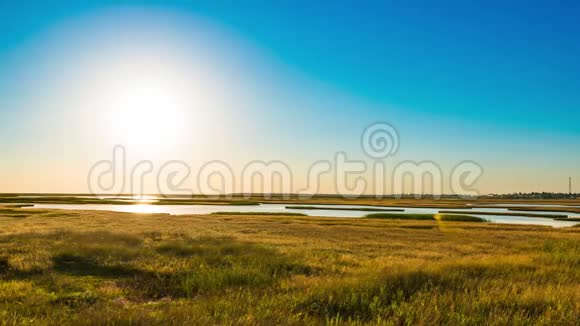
(534, 195)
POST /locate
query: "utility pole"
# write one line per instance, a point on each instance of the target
(570, 186)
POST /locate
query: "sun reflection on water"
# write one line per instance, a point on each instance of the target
(143, 208)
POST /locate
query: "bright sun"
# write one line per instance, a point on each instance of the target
(148, 115)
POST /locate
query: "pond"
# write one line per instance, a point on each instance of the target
(324, 211)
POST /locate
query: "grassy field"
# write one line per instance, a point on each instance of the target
(83, 267)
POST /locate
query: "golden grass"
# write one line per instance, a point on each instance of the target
(95, 267)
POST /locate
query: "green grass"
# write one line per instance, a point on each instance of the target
(459, 218)
(428, 217)
(346, 209)
(86, 268)
(259, 213)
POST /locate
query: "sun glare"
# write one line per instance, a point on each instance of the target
(142, 209)
(148, 114)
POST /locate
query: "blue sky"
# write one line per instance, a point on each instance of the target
(492, 81)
